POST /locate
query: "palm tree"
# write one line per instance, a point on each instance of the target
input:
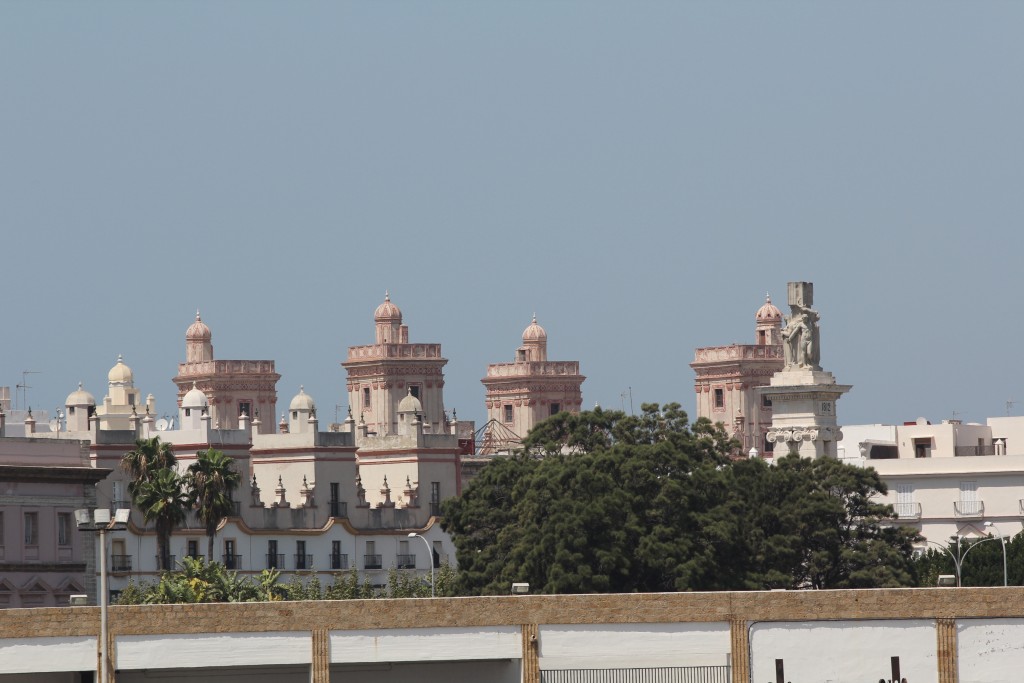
(164, 500)
(149, 456)
(212, 480)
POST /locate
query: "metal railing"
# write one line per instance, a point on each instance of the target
(275, 561)
(120, 563)
(372, 562)
(678, 674)
(303, 561)
(339, 561)
(405, 561)
(339, 508)
(984, 449)
(969, 508)
(171, 559)
(232, 561)
(907, 510)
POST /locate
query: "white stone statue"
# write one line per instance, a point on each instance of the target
(800, 338)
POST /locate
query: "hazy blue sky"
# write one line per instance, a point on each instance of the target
(639, 174)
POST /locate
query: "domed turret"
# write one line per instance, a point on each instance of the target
(535, 343)
(387, 311)
(198, 331)
(300, 410)
(194, 398)
(302, 401)
(410, 404)
(120, 374)
(388, 319)
(80, 397)
(198, 344)
(768, 311)
(769, 323)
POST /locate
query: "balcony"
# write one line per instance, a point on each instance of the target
(969, 509)
(120, 563)
(405, 561)
(372, 562)
(339, 561)
(171, 567)
(303, 561)
(275, 561)
(339, 508)
(232, 561)
(907, 511)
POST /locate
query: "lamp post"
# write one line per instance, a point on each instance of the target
(430, 559)
(1002, 540)
(101, 523)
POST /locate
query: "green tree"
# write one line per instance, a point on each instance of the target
(164, 501)
(148, 456)
(604, 502)
(212, 480)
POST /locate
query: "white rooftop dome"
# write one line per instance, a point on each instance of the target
(195, 398)
(410, 404)
(302, 401)
(120, 373)
(80, 397)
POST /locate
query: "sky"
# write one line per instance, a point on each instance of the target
(638, 174)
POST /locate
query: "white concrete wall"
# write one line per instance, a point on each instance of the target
(426, 645)
(844, 651)
(199, 650)
(990, 650)
(26, 655)
(613, 646)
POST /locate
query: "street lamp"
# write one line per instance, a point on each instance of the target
(101, 523)
(430, 559)
(956, 562)
(1002, 540)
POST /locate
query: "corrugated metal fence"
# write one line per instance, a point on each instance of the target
(679, 674)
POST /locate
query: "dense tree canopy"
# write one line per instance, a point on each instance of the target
(606, 502)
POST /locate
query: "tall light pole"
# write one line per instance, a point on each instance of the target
(101, 523)
(1002, 540)
(430, 559)
(956, 562)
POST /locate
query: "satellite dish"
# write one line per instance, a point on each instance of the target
(54, 425)
(161, 425)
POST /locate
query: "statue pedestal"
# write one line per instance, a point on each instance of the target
(804, 412)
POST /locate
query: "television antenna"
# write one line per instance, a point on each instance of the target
(23, 388)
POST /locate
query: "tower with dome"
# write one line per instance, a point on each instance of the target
(728, 377)
(381, 374)
(232, 387)
(528, 390)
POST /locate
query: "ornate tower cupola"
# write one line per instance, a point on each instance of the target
(198, 342)
(535, 343)
(388, 318)
(769, 323)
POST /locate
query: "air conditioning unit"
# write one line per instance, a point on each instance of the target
(946, 581)
(78, 600)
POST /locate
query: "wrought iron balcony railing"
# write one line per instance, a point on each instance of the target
(969, 508)
(405, 561)
(371, 562)
(908, 510)
(232, 561)
(120, 563)
(303, 561)
(339, 561)
(275, 561)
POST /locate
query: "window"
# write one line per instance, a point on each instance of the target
(31, 528)
(245, 408)
(414, 389)
(272, 558)
(335, 491)
(923, 448)
(765, 401)
(437, 554)
(555, 408)
(762, 337)
(769, 446)
(1, 529)
(508, 412)
(435, 498)
(719, 398)
(366, 397)
(188, 412)
(193, 548)
(521, 355)
(63, 528)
